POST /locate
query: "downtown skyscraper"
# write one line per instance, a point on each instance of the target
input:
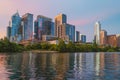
(27, 26)
(15, 25)
(43, 26)
(63, 30)
(97, 33)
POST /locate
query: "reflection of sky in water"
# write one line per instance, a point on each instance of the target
(60, 66)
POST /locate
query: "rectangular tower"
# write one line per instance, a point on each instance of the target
(27, 20)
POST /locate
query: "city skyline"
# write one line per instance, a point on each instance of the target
(83, 14)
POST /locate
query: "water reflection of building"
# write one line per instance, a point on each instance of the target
(3, 70)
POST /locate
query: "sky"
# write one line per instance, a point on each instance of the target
(81, 13)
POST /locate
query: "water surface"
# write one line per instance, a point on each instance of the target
(60, 66)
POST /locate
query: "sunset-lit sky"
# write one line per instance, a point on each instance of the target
(82, 13)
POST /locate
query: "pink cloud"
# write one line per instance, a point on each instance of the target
(87, 20)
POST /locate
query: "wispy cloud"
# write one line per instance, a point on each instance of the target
(91, 19)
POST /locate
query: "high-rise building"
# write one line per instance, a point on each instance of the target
(59, 20)
(103, 37)
(112, 40)
(97, 33)
(15, 25)
(27, 24)
(9, 32)
(77, 36)
(42, 26)
(83, 38)
(66, 32)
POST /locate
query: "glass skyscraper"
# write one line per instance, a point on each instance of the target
(16, 22)
(42, 26)
(70, 32)
(97, 33)
(77, 36)
(83, 38)
(27, 24)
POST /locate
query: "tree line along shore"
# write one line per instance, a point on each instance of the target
(7, 46)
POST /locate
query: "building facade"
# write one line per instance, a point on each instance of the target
(112, 40)
(15, 25)
(59, 20)
(103, 37)
(118, 40)
(82, 38)
(8, 32)
(42, 26)
(27, 24)
(77, 36)
(97, 33)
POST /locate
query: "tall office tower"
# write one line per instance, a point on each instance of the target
(9, 31)
(59, 20)
(103, 37)
(27, 24)
(66, 32)
(42, 26)
(83, 38)
(97, 33)
(15, 24)
(77, 36)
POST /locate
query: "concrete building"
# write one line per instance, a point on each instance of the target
(103, 37)
(112, 40)
(97, 33)
(63, 30)
(59, 20)
(27, 24)
(66, 32)
(77, 36)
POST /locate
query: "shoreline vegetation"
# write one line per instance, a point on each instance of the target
(7, 46)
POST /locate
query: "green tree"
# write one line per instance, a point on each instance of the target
(61, 46)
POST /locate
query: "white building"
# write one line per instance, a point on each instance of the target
(97, 33)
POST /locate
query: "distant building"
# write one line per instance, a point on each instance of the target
(66, 32)
(112, 40)
(52, 28)
(63, 30)
(27, 23)
(43, 26)
(15, 25)
(103, 37)
(48, 38)
(77, 36)
(59, 20)
(8, 32)
(83, 38)
(118, 40)
(97, 33)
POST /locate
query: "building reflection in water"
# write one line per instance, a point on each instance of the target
(60, 66)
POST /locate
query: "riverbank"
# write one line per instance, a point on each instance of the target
(43, 51)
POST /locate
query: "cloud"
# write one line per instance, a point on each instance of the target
(92, 19)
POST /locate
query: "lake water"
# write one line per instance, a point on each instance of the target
(60, 66)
